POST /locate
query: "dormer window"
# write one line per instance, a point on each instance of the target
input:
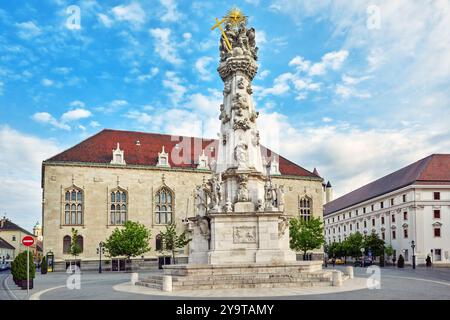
(118, 156)
(203, 161)
(274, 166)
(163, 158)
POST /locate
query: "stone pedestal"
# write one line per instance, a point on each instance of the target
(248, 237)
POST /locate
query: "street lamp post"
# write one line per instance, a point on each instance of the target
(362, 257)
(100, 250)
(413, 246)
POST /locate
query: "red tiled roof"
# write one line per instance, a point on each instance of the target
(434, 169)
(98, 149)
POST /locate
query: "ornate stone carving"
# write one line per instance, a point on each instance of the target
(200, 200)
(244, 234)
(228, 207)
(240, 83)
(249, 88)
(260, 205)
(241, 154)
(227, 88)
(253, 116)
(203, 224)
(242, 193)
(283, 224)
(280, 198)
(242, 64)
(242, 124)
(223, 115)
(255, 138)
(215, 188)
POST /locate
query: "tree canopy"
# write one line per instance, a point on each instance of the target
(131, 240)
(306, 235)
(171, 240)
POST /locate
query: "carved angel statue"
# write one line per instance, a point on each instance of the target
(242, 193)
(200, 200)
(215, 187)
(241, 154)
(280, 198)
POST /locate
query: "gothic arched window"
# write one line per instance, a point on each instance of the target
(73, 207)
(163, 206)
(80, 243)
(118, 210)
(66, 244)
(305, 208)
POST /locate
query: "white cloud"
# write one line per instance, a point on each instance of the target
(347, 155)
(28, 30)
(45, 117)
(140, 117)
(173, 83)
(327, 119)
(75, 115)
(263, 74)
(164, 46)
(47, 82)
(105, 20)
(20, 169)
(77, 103)
(300, 63)
(171, 14)
(94, 124)
(113, 106)
(331, 60)
(62, 70)
(201, 65)
(132, 13)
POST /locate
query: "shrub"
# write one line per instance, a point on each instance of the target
(20, 266)
(44, 266)
(401, 262)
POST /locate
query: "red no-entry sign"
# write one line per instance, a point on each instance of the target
(28, 241)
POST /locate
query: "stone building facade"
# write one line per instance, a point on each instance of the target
(116, 176)
(411, 204)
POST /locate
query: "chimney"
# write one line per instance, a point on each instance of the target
(2, 222)
(328, 192)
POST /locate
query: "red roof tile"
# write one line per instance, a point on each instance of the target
(434, 169)
(98, 149)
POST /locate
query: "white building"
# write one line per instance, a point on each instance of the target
(411, 204)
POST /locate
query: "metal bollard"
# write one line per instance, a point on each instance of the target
(167, 283)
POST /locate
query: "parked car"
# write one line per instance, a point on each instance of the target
(364, 263)
(4, 266)
(338, 261)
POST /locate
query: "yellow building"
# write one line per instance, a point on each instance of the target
(116, 176)
(13, 234)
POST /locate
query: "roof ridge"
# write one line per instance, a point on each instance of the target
(76, 145)
(156, 133)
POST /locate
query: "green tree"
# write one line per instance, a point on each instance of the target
(171, 240)
(131, 240)
(354, 243)
(44, 265)
(306, 235)
(389, 251)
(75, 249)
(373, 243)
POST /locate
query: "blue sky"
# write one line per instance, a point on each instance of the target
(354, 88)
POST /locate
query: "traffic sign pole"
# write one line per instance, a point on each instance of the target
(28, 241)
(28, 269)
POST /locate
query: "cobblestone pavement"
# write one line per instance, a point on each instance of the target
(422, 283)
